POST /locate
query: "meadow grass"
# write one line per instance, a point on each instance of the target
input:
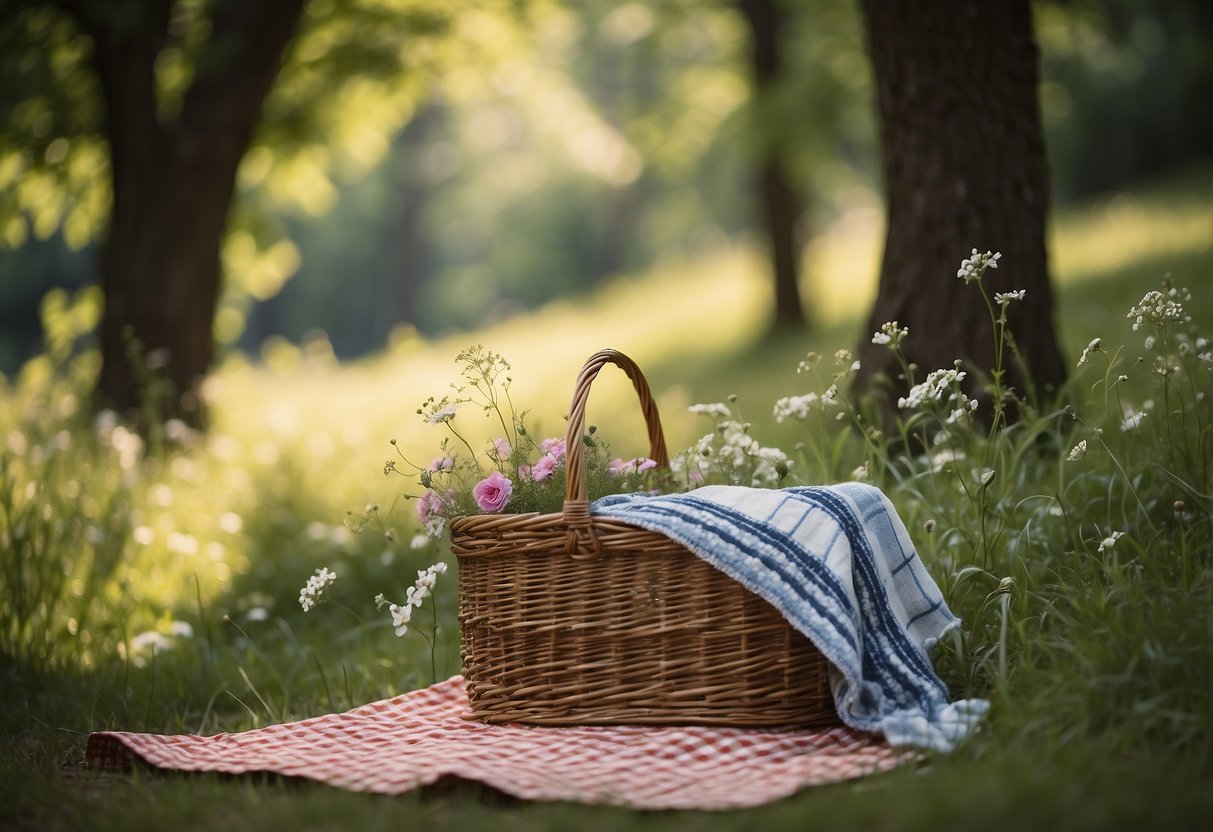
(150, 583)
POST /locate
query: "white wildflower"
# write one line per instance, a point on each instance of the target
(415, 595)
(860, 474)
(401, 615)
(442, 414)
(309, 596)
(973, 267)
(1110, 541)
(929, 526)
(795, 407)
(714, 409)
(1149, 341)
(890, 334)
(1132, 420)
(936, 384)
(1077, 452)
(181, 629)
(1096, 345)
(419, 541)
(1160, 308)
(1005, 298)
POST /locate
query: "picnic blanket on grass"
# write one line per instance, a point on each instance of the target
(418, 738)
(838, 563)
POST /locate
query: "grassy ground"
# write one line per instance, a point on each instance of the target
(1099, 662)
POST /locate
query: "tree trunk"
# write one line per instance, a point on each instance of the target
(964, 168)
(173, 184)
(780, 204)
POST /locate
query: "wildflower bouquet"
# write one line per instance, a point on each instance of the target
(513, 473)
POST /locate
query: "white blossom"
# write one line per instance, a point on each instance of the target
(415, 595)
(1096, 345)
(309, 596)
(1005, 298)
(1077, 452)
(442, 414)
(1132, 420)
(1110, 541)
(973, 267)
(1160, 308)
(714, 409)
(890, 334)
(936, 384)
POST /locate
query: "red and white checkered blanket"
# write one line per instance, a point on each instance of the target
(412, 740)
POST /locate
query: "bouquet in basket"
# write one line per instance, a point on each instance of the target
(518, 472)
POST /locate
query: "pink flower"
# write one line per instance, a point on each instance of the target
(618, 467)
(501, 448)
(493, 492)
(555, 447)
(543, 469)
(430, 503)
(442, 463)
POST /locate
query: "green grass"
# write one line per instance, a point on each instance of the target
(1099, 664)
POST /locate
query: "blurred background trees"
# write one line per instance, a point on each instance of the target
(429, 166)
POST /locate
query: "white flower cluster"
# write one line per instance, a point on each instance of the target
(442, 414)
(735, 456)
(414, 596)
(1161, 308)
(889, 334)
(1005, 298)
(933, 389)
(719, 409)
(798, 407)
(1110, 541)
(1095, 346)
(973, 267)
(309, 596)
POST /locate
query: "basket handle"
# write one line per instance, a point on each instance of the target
(580, 540)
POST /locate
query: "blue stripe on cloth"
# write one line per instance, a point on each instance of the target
(856, 601)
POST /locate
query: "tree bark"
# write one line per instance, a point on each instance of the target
(964, 167)
(173, 184)
(779, 202)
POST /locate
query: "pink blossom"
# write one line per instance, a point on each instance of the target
(442, 463)
(618, 467)
(430, 503)
(543, 469)
(493, 492)
(501, 448)
(555, 447)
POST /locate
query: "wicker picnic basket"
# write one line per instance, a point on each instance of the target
(569, 619)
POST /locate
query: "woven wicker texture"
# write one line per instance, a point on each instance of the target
(569, 619)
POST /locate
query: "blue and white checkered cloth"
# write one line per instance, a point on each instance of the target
(838, 563)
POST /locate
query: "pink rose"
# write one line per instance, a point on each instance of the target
(493, 492)
(543, 469)
(555, 447)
